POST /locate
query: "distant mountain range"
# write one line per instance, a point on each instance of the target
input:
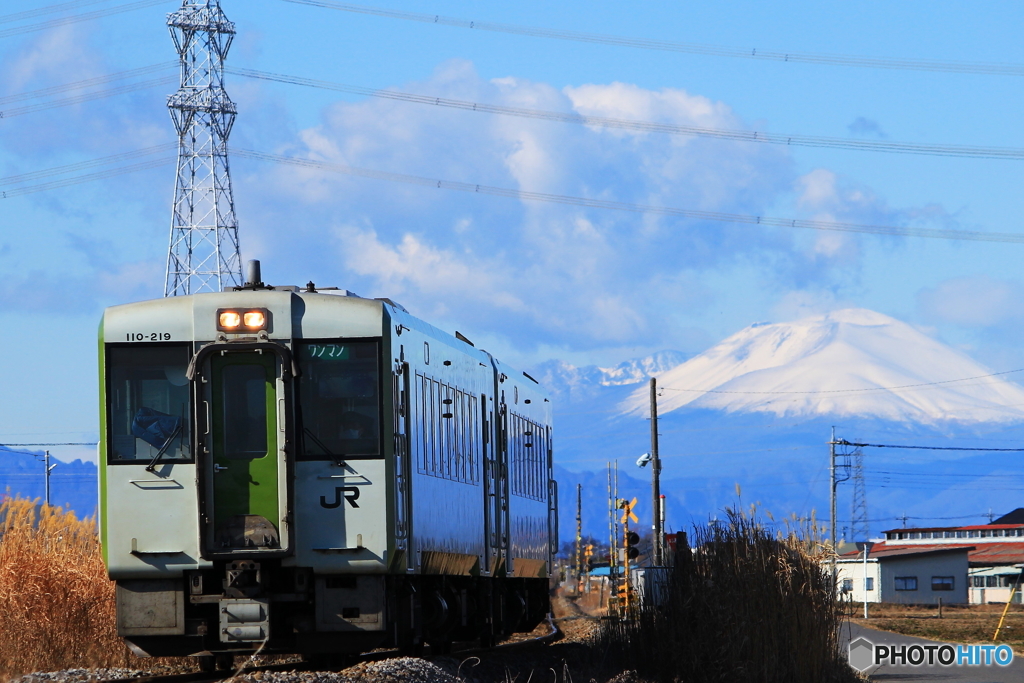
(569, 384)
(756, 412)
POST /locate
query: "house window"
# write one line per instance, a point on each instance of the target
(869, 583)
(991, 581)
(906, 583)
(942, 583)
(847, 585)
(986, 533)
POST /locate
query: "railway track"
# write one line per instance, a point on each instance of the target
(553, 635)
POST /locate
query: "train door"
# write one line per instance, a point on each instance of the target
(491, 479)
(501, 481)
(244, 475)
(403, 468)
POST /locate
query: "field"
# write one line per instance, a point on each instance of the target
(959, 624)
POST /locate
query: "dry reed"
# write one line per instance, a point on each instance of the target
(56, 603)
(747, 605)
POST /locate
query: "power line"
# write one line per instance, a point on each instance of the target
(75, 180)
(86, 83)
(50, 9)
(845, 391)
(977, 68)
(508, 193)
(844, 442)
(968, 151)
(91, 163)
(722, 217)
(86, 97)
(75, 18)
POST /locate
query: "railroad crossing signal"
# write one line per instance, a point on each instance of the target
(588, 552)
(627, 510)
(630, 542)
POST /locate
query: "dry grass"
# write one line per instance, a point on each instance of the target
(959, 623)
(748, 605)
(56, 603)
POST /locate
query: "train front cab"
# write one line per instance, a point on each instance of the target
(254, 491)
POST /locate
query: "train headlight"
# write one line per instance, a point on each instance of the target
(229, 320)
(242, 320)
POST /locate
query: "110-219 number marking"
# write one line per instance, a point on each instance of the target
(152, 336)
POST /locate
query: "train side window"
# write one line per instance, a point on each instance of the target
(148, 403)
(528, 448)
(447, 435)
(339, 400)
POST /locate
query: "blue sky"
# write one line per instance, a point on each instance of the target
(529, 281)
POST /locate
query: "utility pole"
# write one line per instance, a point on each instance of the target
(832, 502)
(657, 522)
(203, 254)
(579, 534)
(611, 527)
(49, 468)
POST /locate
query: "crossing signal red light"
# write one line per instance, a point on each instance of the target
(630, 541)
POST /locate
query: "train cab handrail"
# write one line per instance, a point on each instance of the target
(289, 368)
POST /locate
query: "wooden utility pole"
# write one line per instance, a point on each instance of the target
(657, 523)
(579, 534)
(832, 503)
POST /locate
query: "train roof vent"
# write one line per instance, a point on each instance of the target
(334, 291)
(462, 337)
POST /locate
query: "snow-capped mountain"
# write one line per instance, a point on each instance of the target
(848, 363)
(569, 383)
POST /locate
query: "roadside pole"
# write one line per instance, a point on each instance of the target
(832, 504)
(657, 523)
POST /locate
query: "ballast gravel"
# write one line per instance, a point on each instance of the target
(79, 675)
(398, 670)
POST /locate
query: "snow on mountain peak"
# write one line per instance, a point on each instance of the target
(848, 363)
(569, 383)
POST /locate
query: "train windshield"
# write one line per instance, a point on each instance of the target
(339, 400)
(148, 399)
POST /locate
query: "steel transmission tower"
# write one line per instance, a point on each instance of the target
(203, 254)
(859, 524)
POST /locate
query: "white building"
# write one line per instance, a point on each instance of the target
(919, 576)
(983, 562)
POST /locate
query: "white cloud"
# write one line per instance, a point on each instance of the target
(547, 273)
(973, 301)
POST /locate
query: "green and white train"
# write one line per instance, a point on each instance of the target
(314, 472)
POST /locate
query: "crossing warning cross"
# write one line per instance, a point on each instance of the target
(627, 511)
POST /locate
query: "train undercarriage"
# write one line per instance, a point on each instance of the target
(240, 606)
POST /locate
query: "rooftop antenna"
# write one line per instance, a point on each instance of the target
(203, 253)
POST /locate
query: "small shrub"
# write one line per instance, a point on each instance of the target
(745, 606)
